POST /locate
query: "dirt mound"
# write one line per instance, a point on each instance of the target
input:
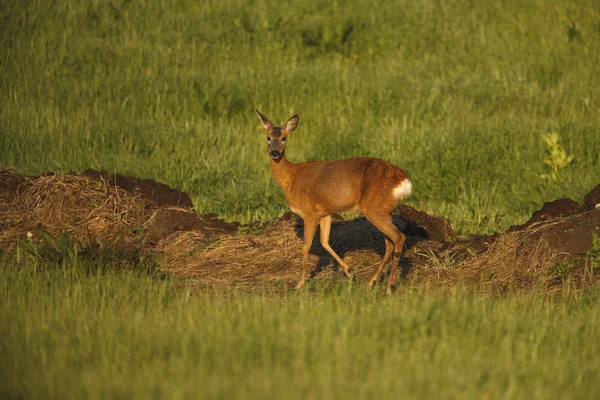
(426, 225)
(155, 193)
(552, 255)
(553, 209)
(591, 201)
(93, 208)
(166, 221)
(9, 183)
(556, 249)
(68, 204)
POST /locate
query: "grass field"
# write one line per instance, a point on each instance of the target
(68, 334)
(460, 94)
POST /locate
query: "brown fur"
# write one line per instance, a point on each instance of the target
(314, 189)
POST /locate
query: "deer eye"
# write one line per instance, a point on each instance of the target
(283, 139)
(268, 139)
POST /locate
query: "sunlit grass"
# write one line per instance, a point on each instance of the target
(459, 95)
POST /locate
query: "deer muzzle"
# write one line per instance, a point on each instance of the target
(276, 155)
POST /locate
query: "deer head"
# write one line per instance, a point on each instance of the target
(276, 136)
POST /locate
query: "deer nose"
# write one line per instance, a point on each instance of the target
(274, 154)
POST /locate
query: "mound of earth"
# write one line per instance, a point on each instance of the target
(97, 208)
(154, 192)
(557, 248)
(166, 221)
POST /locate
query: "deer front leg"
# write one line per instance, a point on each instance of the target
(310, 226)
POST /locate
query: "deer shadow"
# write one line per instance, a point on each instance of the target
(360, 234)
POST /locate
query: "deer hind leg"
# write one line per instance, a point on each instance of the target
(310, 226)
(383, 222)
(325, 225)
(389, 251)
(394, 270)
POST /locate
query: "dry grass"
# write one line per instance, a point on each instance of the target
(524, 259)
(271, 256)
(265, 257)
(87, 211)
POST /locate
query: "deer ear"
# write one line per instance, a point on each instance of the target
(264, 121)
(291, 123)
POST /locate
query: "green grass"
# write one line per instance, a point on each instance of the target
(460, 94)
(69, 333)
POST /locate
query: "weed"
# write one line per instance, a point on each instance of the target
(594, 253)
(557, 158)
(445, 260)
(563, 267)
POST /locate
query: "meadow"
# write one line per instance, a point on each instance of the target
(460, 95)
(492, 108)
(67, 333)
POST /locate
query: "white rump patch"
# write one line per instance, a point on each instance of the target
(403, 190)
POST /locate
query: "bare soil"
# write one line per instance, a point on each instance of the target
(555, 249)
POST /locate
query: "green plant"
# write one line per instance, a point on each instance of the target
(557, 158)
(443, 260)
(595, 242)
(591, 255)
(563, 267)
(594, 253)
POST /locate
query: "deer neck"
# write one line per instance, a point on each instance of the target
(283, 172)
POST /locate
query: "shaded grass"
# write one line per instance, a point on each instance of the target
(71, 333)
(458, 94)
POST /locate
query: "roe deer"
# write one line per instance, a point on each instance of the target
(314, 189)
